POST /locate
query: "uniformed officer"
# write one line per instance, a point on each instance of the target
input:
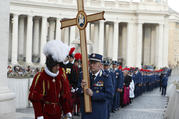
(100, 89)
(118, 85)
(137, 77)
(164, 84)
(109, 71)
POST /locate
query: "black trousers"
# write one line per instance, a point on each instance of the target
(164, 89)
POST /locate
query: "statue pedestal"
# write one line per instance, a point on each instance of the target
(7, 101)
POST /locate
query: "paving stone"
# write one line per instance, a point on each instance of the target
(150, 105)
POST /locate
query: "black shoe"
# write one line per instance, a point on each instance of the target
(113, 111)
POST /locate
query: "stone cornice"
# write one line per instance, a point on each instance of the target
(174, 18)
(111, 14)
(72, 7)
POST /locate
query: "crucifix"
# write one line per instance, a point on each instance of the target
(81, 21)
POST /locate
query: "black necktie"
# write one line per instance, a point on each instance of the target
(93, 77)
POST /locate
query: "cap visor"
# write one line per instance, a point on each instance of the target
(93, 59)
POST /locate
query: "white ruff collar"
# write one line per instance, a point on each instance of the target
(50, 73)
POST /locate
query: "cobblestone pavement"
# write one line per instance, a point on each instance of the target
(150, 105)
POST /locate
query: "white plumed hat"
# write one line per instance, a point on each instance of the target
(58, 50)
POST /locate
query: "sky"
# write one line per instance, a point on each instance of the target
(174, 4)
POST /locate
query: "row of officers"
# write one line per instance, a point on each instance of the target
(58, 92)
(127, 83)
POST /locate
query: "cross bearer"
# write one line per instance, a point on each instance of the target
(81, 21)
(100, 91)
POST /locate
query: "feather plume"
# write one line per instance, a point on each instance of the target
(58, 50)
(71, 51)
(78, 56)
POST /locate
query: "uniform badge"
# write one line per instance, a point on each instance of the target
(97, 91)
(68, 71)
(100, 83)
(93, 55)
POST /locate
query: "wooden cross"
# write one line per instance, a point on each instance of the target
(81, 21)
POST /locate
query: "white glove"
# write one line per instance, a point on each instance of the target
(41, 117)
(72, 90)
(76, 89)
(68, 115)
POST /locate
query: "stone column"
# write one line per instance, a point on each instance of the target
(101, 37)
(74, 1)
(106, 40)
(124, 43)
(58, 29)
(102, 3)
(43, 39)
(21, 38)
(129, 55)
(51, 29)
(156, 44)
(139, 45)
(88, 30)
(29, 39)
(115, 40)
(36, 39)
(72, 35)
(14, 39)
(10, 38)
(109, 29)
(159, 47)
(153, 40)
(88, 2)
(96, 36)
(7, 98)
(165, 45)
(66, 35)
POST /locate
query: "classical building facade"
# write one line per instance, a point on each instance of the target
(173, 56)
(137, 32)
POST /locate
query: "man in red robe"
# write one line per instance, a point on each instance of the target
(50, 91)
